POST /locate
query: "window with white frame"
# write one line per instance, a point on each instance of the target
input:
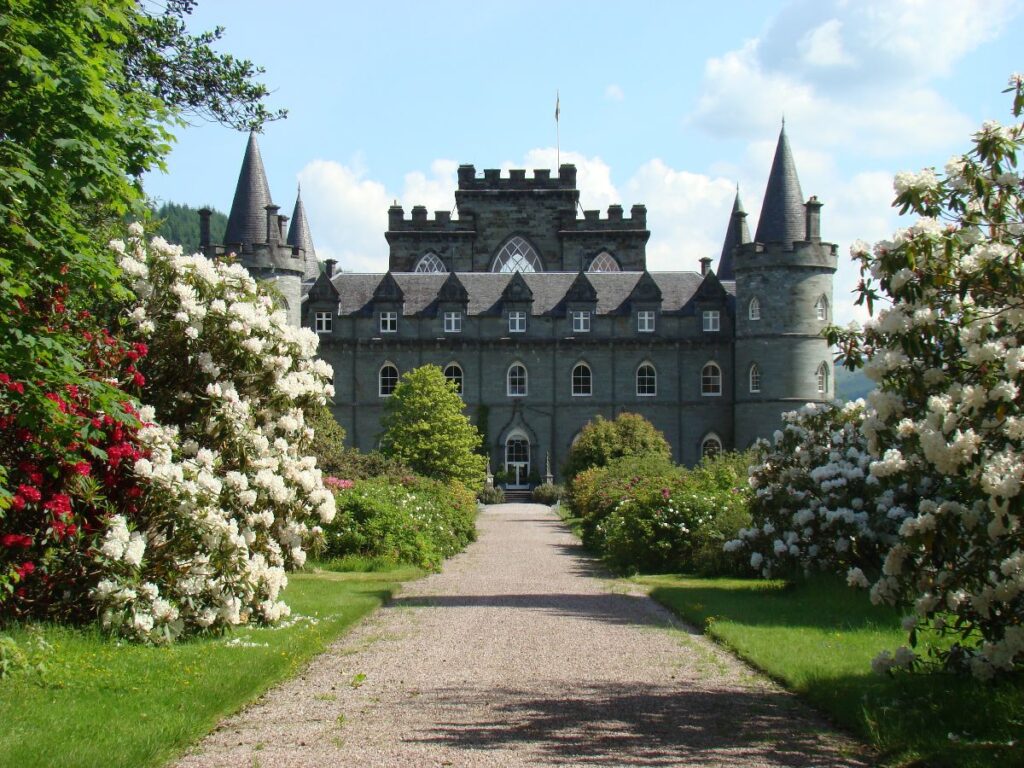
(430, 262)
(324, 321)
(580, 321)
(645, 321)
(604, 262)
(822, 376)
(517, 255)
(582, 380)
(754, 309)
(712, 320)
(711, 380)
(755, 378)
(453, 373)
(453, 322)
(710, 446)
(388, 322)
(646, 380)
(517, 321)
(517, 382)
(821, 308)
(387, 380)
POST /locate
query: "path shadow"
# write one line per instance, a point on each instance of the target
(615, 724)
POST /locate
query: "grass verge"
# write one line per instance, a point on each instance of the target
(100, 704)
(818, 638)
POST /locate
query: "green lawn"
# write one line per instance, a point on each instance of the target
(104, 705)
(818, 639)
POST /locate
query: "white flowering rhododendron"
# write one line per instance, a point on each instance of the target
(230, 494)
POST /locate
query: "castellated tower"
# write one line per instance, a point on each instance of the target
(256, 233)
(783, 301)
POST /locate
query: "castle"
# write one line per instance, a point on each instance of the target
(544, 319)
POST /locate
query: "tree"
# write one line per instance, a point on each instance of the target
(629, 434)
(425, 428)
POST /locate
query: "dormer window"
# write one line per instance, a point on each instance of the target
(517, 321)
(645, 321)
(581, 321)
(388, 322)
(453, 322)
(712, 320)
(324, 322)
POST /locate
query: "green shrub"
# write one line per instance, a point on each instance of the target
(420, 522)
(602, 441)
(548, 493)
(493, 495)
(328, 443)
(352, 464)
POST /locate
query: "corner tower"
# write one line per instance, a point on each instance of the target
(783, 302)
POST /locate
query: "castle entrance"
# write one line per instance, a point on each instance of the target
(517, 461)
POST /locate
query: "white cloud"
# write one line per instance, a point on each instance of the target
(614, 93)
(823, 46)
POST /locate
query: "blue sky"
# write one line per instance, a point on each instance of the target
(670, 104)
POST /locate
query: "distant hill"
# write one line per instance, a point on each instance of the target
(179, 224)
(851, 385)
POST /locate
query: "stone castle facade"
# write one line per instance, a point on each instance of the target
(545, 319)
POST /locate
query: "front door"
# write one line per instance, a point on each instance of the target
(517, 462)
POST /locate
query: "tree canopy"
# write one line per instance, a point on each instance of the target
(600, 441)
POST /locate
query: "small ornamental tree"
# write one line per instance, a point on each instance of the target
(425, 428)
(947, 351)
(601, 441)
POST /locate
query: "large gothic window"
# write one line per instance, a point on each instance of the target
(604, 262)
(430, 262)
(517, 255)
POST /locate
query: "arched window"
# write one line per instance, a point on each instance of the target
(430, 262)
(387, 380)
(582, 380)
(822, 375)
(754, 309)
(646, 380)
(755, 377)
(604, 262)
(453, 372)
(821, 308)
(517, 381)
(710, 446)
(517, 255)
(711, 380)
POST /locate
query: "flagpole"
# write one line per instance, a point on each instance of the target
(558, 137)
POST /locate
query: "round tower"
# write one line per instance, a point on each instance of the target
(783, 302)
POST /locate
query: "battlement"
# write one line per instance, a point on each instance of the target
(592, 220)
(803, 253)
(516, 181)
(418, 221)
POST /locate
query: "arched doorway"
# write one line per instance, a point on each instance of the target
(517, 460)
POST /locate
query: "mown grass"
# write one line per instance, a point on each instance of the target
(818, 638)
(101, 704)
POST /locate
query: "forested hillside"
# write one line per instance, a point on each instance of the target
(180, 224)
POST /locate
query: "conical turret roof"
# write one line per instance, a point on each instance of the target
(299, 236)
(247, 222)
(736, 235)
(782, 212)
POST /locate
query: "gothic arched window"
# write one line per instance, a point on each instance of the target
(822, 375)
(430, 262)
(604, 262)
(517, 255)
(453, 372)
(387, 380)
(711, 380)
(755, 377)
(754, 309)
(821, 308)
(582, 380)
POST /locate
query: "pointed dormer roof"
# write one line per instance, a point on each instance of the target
(388, 290)
(646, 291)
(300, 237)
(247, 222)
(517, 289)
(782, 212)
(711, 288)
(452, 290)
(581, 290)
(736, 235)
(323, 289)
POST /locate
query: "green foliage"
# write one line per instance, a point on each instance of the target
(424, 427)
(179, 224)
(601, 441)
(31, 655)
(492, 495)
(420, 522)
(354, 465)
(328, 441)
(548, 493)
(483, 420)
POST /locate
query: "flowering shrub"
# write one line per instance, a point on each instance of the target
(816, 505)
(418, 521)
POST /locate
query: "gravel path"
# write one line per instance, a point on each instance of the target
(519, 654)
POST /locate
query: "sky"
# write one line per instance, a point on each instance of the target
(671, 104)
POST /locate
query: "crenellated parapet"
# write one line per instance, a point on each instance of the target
(517, 180)
(614, 222)
(419, 221)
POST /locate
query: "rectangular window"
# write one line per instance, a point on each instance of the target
(453, 322)
(712, 320)
(645, 321)
(517, 322)
(388, 322)
(323, 322)
(580, 321)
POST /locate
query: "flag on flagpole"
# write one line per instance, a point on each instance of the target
(558, 109)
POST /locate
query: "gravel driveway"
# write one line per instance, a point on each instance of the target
(519, 654)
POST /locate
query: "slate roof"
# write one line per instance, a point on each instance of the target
(737, 234)
(484, 289)
(247, 222)
(783, 217)
(299, 235)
